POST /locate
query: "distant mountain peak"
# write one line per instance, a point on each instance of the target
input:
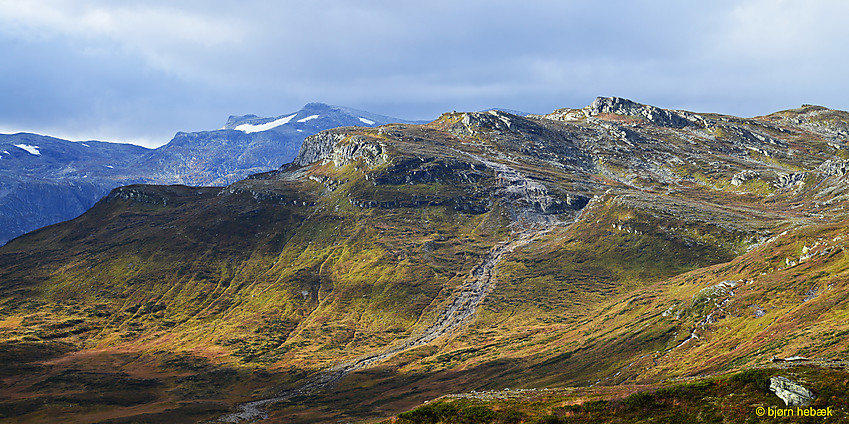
(320, 105)
(44, 180)
(331, 115)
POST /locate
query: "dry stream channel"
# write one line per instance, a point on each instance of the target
(463, 306)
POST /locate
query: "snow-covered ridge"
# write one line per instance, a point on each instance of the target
(250, 128)
(33, 150)
(308, 118)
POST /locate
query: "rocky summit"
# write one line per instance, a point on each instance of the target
(600, 264)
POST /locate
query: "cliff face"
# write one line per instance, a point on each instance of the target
(28, 205)
(385, 266)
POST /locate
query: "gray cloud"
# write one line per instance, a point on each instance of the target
(142, 71)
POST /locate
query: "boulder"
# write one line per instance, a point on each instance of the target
(791, 392)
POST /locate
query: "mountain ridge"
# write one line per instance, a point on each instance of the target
(65, 179)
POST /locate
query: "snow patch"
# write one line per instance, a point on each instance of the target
(250, 128)
(110, 166)
(300, 130)
(796, 358)
(366, 121)
(308, 118)
(33, 150)
(85, 144)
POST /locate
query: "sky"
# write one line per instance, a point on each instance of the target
(140, 71)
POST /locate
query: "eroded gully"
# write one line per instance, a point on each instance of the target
(464, 304)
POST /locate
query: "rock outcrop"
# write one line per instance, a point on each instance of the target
(744, 176)
(620, 106)
(317, 147)
(790, 180)
(791, 392)
(837, 168)
(340, 147)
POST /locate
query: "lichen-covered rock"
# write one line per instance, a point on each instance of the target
(318, 147)
(744, 176)
(790, 180)
(340, 147)
(791, 392)
(834, 167)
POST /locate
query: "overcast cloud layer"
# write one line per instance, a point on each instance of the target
(140, 71)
